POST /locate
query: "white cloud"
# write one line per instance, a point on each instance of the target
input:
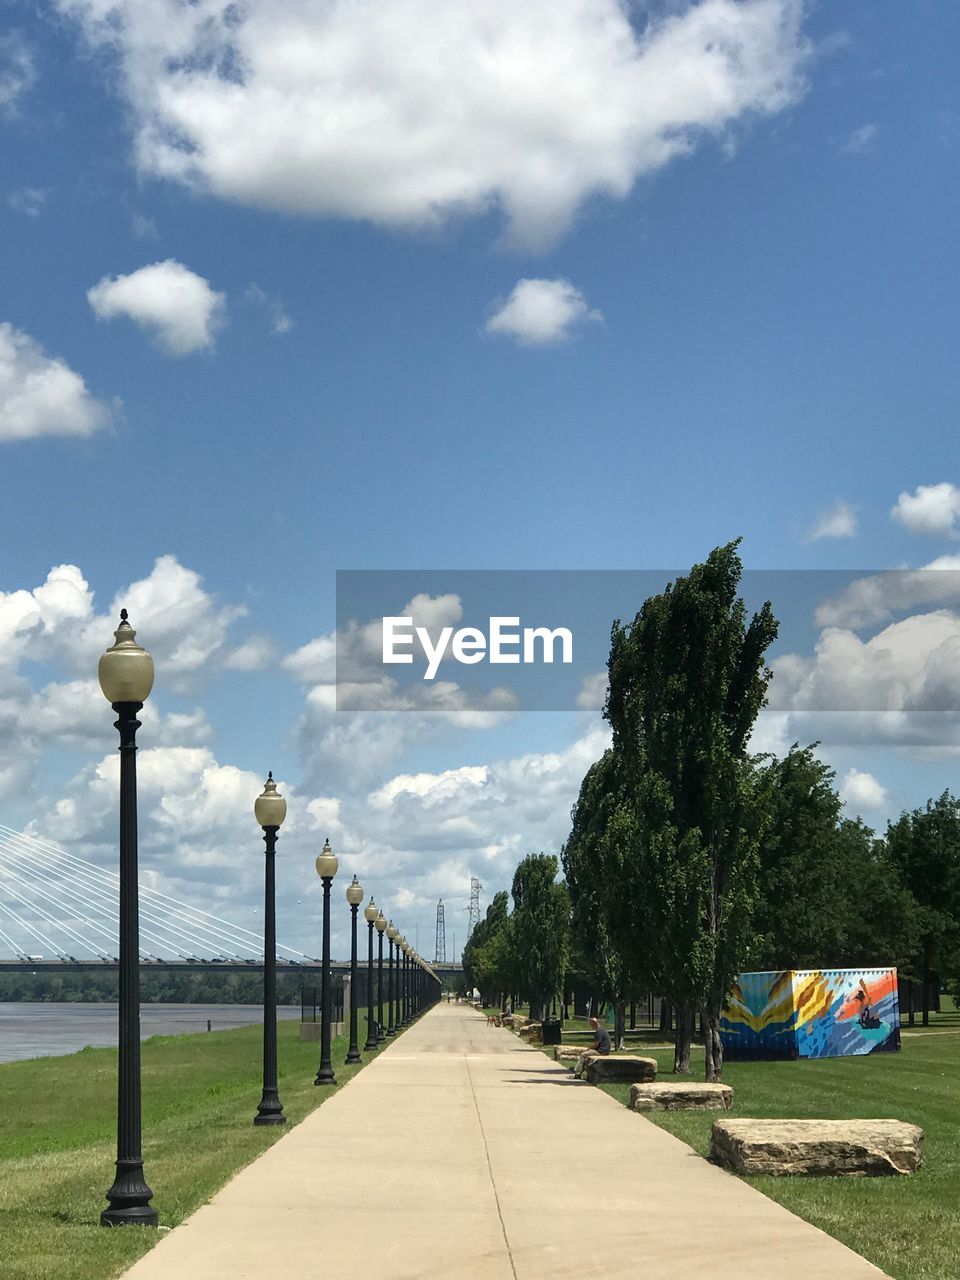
(253, 655)
(880, 595)
(278, 318)
(862, 791)
(839, 522)
(541, 312)
(593, 692)
(408, 113)
(41, 395)
(931, 509)
(171, 303)
(27, 200)
(862, 140)
(17, 71)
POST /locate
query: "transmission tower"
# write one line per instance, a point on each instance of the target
(473, 911)
(440, 951)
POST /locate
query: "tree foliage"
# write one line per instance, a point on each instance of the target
(539, 930)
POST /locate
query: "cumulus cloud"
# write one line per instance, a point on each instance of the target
(932, 509)
(176, 307)
(41, 395)
(541, 312)
(879, 596)
(17, 71)
(840, 521)
(862, 791)
(406, 113)
(276, 312)
(253, 655)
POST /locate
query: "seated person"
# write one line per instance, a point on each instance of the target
(601, 1037)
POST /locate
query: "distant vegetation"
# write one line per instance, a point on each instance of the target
(155, 988)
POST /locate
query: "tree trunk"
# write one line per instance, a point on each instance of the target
(712, 1044)
(619, 1022)
(666, 1019)
(681, 1040)
(633, 1015)
(536, 1008)
(912, 1021)
(926, 984)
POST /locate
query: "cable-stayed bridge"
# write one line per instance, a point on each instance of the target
(60, 911)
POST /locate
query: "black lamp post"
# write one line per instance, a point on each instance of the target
(126, 678)
(326, 869)
(392, 933)
(354, 898)
(404, 994)
(381, 924)
(370, 913)
(270, 809)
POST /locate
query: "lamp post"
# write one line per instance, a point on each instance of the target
(370, 913)
(126, 678)
(392, 933)
(270, 809)
(404, 995)
(381, 924)
(354, 898)
(326, 869)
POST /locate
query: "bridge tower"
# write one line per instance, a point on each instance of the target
(473, 911)
(440, 951)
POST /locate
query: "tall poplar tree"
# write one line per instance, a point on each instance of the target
(687, 679)
(539, 930)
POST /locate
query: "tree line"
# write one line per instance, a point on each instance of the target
(155, 988)
(691, 860)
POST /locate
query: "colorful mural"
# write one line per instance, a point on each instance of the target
(811, 1013)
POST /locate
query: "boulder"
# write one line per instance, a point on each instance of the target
(680, 1095)
(857, 1148)
(567, 1053)
(622, 1068)
(531, 1032)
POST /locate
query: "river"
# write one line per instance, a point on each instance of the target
(43, 1030)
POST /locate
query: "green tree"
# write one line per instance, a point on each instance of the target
(479, 969)
(925, 846)
(539, 931)
(686, 681)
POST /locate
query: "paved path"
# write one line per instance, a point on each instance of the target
(463, 1154)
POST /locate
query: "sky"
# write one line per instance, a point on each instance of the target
(299, 286)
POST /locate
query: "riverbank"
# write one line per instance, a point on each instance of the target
(57, 1141)
(44, 1029)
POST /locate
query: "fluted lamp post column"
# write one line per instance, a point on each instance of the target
(270, 809)
(126, 678)
(370, 913)
(327, 865)
(392, 934)
(354, 898)
(405, 1001)
(380, 924)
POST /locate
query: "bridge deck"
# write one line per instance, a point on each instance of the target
(461, 1153)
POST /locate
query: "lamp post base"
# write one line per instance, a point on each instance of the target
(370, 1045)
(270, 1111)
(353, 1058)
(325, 1076)
(129, 1199)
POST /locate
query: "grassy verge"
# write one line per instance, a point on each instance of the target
(57, 1141)
(908, 1226)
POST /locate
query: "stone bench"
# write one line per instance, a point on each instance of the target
(569, 1053)
(680, 1095)
(531, 1032)
(857, 1148)
(624, 1068)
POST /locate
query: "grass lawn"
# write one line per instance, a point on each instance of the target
(57, 1141)
(909, 1226)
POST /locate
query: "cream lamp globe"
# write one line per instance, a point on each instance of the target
(354, 892)
(126, 669)
(327, 862)
(270, 808)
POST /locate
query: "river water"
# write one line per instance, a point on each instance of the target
(43, 1030)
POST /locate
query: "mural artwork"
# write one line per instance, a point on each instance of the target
(811, 1013)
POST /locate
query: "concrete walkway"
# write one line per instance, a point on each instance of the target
(462, 1153)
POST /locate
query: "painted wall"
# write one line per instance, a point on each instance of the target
(811, 1013)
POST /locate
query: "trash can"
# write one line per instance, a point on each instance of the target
(552, 1030)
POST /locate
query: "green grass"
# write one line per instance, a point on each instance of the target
(57, 1141)
(909, 1226)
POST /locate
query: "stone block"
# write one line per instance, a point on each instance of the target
(621, 1068)
(821, 1148)
(680, 1095)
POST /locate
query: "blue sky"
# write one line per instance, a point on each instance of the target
(743, 312)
